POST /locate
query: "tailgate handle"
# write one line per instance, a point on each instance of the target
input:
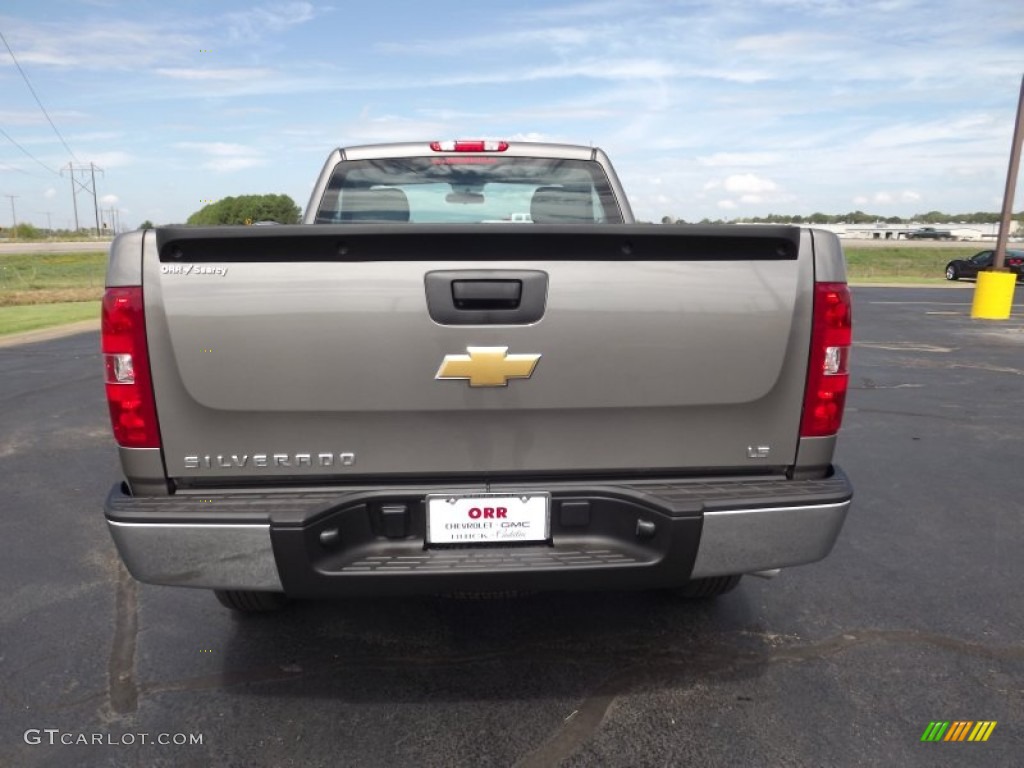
(486, 294)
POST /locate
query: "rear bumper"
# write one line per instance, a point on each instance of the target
(603, 535)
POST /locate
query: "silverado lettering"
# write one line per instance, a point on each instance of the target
(265, 460)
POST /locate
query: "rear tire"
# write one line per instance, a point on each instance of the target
(247, 601)
(952, 273)
(712, 586)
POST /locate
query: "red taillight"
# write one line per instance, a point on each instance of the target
(126, 364)
(828, 371)
(477, 145)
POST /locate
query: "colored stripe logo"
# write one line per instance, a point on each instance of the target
(958, 730)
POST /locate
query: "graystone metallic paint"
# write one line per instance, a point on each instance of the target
(124, 266)
(829, 262)
(674, 365)
(815, 452)
(145, 469)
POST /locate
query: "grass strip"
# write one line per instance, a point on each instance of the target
(47, 278)
(896, 262)
(15, 319)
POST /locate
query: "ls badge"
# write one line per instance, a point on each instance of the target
(487, 366)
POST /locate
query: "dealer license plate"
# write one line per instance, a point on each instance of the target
(488, 518)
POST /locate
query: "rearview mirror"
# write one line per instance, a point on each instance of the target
(464, 198)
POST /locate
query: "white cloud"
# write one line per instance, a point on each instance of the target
(370, 129)
(108, 160)
(727, 205)
(729, 159)
(107, 45)
(254, 23)
(915, 134)
(223, 156)
(552, 37)
(109, 199)
(884, 197)
(95, 136)
(531, 136)
(233, 74)
(747, 76)
(11, 117)
(751, 199)
(50, 193)
(783, 43)
(749, 182)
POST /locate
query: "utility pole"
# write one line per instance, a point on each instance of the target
(13, 218)
(95, 205)
(74, 197)
(49, 224)
(993, 290)
(88, 187)
(999, 262)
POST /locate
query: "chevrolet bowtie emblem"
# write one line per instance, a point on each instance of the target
(487, 366)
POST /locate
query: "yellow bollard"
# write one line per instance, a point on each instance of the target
(993, 296)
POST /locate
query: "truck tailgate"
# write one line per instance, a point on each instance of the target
(311, 352)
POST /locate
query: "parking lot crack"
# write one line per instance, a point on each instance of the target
(579, 725)
(123, 692)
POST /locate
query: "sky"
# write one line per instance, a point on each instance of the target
(708, 109)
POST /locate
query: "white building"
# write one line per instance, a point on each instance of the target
(959, 230)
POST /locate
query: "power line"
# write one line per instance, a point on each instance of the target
(6, 136)
(33, 90)
(6, 167)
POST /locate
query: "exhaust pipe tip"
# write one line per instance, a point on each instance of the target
(769, 574)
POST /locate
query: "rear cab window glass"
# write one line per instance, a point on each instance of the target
(468, 189)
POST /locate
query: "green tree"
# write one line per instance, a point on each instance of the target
(247, 209)
(147, 224)
(25, 231)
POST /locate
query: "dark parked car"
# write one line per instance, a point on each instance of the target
(980, 261)
(929, 233)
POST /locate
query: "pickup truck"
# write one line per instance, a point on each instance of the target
(396, 398)
(929, 233)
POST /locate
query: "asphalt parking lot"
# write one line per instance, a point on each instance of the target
(917, 615)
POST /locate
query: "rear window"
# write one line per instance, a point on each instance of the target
(468, 189)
